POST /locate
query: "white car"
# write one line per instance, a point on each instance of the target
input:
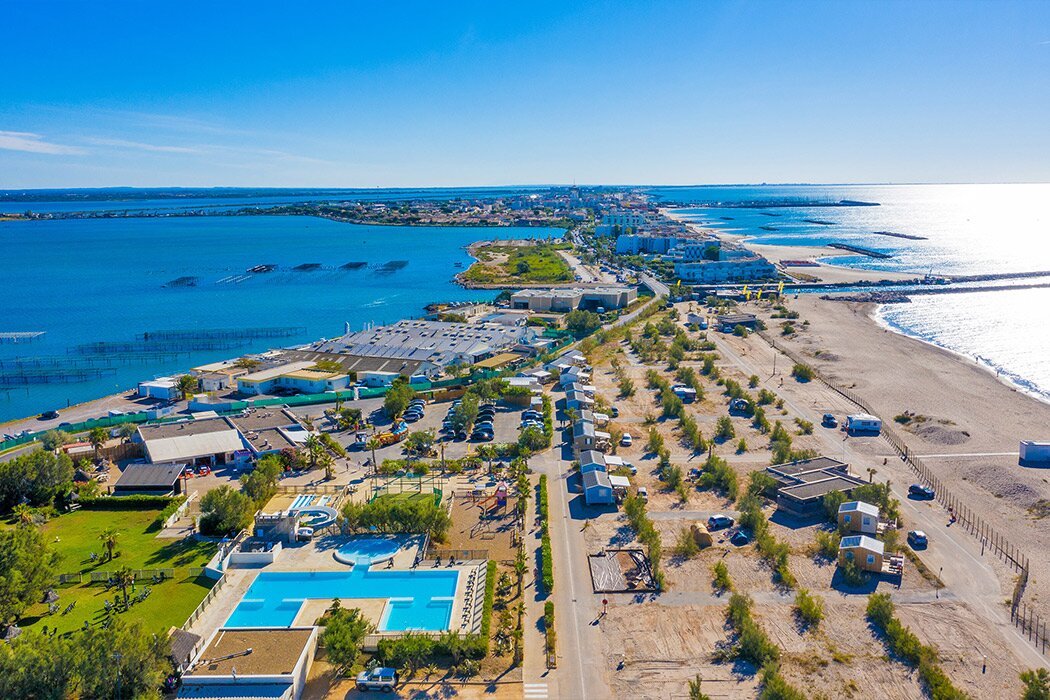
(626, 440)
(643, 493)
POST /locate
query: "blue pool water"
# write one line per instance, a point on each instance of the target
(367, 550)
(416, 600)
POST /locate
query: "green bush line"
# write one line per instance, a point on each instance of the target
(168, 511)
(903, 643)
(546, 553)
(548, 626)
(140, 502)
(490, 599)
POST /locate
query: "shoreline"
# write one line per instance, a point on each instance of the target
(1002, 376)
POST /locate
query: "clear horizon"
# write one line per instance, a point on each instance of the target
(472, 95)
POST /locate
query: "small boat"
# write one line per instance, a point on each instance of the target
(262, 268)
(459, 264)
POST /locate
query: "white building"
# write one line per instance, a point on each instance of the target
(164, 388)
(734, 269)
(636, 244)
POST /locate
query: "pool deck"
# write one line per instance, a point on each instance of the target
(318, 556)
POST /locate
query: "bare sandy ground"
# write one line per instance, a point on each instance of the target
(974, 421)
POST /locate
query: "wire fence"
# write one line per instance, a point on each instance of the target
(1020, 614)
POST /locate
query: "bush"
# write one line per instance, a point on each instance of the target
(686, 547)
(752, 381)
(722, 581)
(810, 610)
(719, 475)
(828, 544)
(804, 426)
(626, 388)
(724, 428)
(803, 372)
(774, 687)
(741, 447)
(142, 502)
(741, 331)
(754, 646)
(490, 598)
(852, 575)
(167, 512)
(225, 511)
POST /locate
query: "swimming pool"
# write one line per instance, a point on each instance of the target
(362, 551)
(416, 600)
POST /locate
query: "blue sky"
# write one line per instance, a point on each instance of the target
(412, 94)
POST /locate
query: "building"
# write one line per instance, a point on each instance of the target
(858, 516)
(592, 460)
(698, 320)
(152, 479)
(620, 221)
(633, 244)
(263, 662)
(430, 344)
(214, 440)
(565, 299)
(863, 424)
(163, 388)
(727, 323)
(741, 269)
(578, 400)
(597, 488)
(866, 552)
(218, 376)
(1034, 454)
(298, 375)
(802, 485)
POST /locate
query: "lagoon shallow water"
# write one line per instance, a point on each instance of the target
(102, 280)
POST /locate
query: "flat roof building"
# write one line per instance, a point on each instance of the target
(565, 299)
(153, 479)
(252, 663)
(804, 483)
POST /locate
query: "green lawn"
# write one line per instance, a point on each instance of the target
(524, 264)
(76, 535)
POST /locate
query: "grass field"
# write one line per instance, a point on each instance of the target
(76, 535)
(521, 264)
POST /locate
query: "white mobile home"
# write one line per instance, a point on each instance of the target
(863, 424)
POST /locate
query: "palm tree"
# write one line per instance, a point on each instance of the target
(23, 514)
(327, 461)
(109, 541)
(520, 567)
(187, 384)
(97, 437)
(124, 577)
(487, 452)
(374, 444)
(315, 449)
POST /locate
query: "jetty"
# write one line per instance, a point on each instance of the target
(819, 222)
(220, 333)
(858, 250)
(908, 236)
(20, 337)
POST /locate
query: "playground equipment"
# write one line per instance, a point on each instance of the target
(394, 436)
(496, 501)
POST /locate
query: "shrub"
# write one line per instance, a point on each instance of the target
(722, 581)
(804, 426)
(774, 687)
(803, 372)
(828, 544)
(741, 447)
(766, 397)
(626, 388)
(810, 610)
(754, 646)
(880, 610)
(686, 546)
(142, 502)
(655, 442)
(752, 381)
(741, 331)
(852, 575)
(168, 511)
(719, 475)
(724, 428)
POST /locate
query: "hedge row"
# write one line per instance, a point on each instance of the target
(168, 511)
(138, 502)
(490, 599)
(546, 553)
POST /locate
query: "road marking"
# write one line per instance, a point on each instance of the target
(535, 690)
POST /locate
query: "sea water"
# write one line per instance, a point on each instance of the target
(92, 280)
(968, 229)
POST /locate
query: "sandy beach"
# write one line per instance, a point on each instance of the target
(971, 422)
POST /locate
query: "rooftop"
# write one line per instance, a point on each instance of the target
(274, 372)
(859, 507)
(596, 478)
(813, 489)
(862, 541)
(273, 652)
(149, 475)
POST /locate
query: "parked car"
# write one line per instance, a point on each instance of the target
(719, 522)
(626, 440)
(417, 402)
(188, 472)
(412, 417)
(614, 412)
(740, 538)
(829, 421)
(482, 436)
(920, 491)
(631, 468)
(535, 415)
(382, 679)
(461, 435)
(918, 539)
(203, 470)
(643, 493)
(530, 424)
(49, 415)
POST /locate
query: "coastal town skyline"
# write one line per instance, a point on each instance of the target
(465, 95)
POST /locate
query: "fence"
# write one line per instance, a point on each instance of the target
(199, 610)
(105, 576)
(964, 515)
(458, 554)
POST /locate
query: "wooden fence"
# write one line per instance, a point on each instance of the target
(1023, 617)
(199, 610)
